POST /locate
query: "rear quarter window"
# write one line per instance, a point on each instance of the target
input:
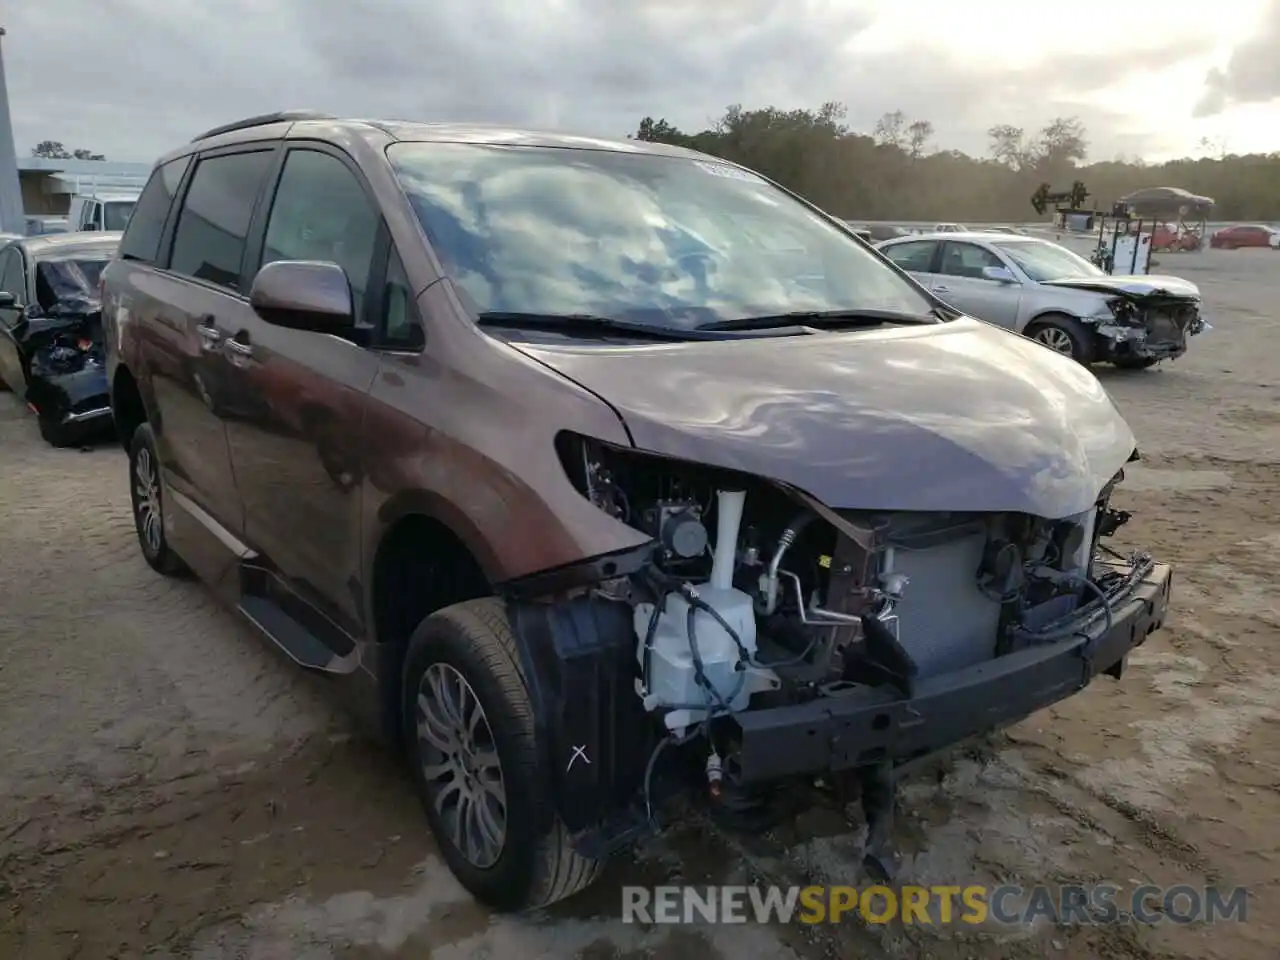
(145, 229)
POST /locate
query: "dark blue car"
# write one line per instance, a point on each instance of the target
(51, 350)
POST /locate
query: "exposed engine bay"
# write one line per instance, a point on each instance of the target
(753, 599)
(66, 377)
(752, 594)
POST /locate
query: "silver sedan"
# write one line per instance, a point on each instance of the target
(1054, 296)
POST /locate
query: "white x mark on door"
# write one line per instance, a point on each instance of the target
(578, 752)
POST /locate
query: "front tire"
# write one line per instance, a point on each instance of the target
(473, 751)
(1065, 335)
(145, 492)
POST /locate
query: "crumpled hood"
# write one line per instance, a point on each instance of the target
(954, 416)
(1138, 286)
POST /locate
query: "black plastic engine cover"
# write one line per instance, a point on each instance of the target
(580, 669)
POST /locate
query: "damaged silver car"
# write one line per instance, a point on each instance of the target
(1055, 297)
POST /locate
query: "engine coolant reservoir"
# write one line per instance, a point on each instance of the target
(673, 681)
(670, 664)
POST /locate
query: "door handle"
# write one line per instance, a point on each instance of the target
(238, 347)
(209, 333)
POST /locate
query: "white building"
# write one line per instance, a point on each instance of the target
(48, 185)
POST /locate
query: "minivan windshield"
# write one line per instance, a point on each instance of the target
(637, 237)
(1043, 261)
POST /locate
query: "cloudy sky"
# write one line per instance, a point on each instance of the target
(132, 78)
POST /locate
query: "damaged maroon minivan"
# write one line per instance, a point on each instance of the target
(606, 470)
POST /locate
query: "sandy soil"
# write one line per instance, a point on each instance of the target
(171, 788)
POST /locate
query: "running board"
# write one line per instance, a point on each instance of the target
(289, 635)
(296, 626)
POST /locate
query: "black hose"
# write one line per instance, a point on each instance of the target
(1106, 601)
(651, 631)
(789, 661)
(648, 776)
(699, 669)
(696, 601)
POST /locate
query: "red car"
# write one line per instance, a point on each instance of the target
(1246, 235)
(1164, 239)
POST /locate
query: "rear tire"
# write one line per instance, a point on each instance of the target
(1065, 335)
(146, 489)
(470, 649)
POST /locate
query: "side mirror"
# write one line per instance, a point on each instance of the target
(999, 274)
(304, 295)
(7, 300)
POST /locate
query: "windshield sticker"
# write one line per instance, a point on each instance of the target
(728, 172)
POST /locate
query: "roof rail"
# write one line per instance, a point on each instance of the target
(280, 116)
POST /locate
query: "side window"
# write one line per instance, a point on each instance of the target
(967, 260)
(141, 240)
(915, 255)
(400, 324)
(11, 279)
(321, 212)
(209, 241)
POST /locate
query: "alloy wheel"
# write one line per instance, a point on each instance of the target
(460, 765)
(1055, 339)
(147, 501)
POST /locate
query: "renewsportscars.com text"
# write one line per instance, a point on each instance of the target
(1007, 905)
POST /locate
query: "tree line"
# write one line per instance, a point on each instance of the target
(54, 150)
(895, 172)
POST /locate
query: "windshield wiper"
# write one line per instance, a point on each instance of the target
(819, 319)
(588, 324)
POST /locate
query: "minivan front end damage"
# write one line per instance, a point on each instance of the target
(762, 640)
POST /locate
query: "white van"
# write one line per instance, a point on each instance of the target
(101, 211)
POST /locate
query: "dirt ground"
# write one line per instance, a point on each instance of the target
(171, 788)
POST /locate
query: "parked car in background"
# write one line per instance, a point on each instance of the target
(46, 226)
(1054, 296)
(1246, 235)
(533, 498)
(51, 349)
(1166, 239)
(876, 232)
(1016, 231)
(950, 228)
(101, 211)
(883, 231)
